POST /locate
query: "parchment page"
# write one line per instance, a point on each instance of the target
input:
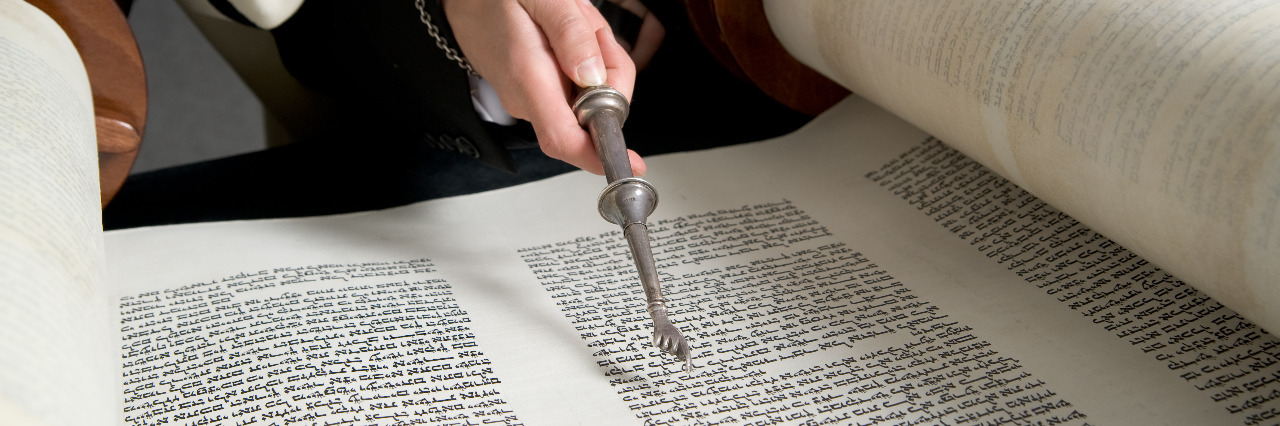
(1153, 122)
(56, 366)
(855, 272)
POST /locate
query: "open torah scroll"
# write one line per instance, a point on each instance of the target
(858, 271)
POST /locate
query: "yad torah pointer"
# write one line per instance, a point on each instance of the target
(627, 202)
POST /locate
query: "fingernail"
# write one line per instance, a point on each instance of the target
(591, 72)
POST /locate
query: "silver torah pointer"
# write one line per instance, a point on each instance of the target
(627, 202)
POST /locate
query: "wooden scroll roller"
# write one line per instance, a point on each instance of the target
(101, 34)
(739, 37)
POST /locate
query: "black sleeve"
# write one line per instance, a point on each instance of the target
(378, 60)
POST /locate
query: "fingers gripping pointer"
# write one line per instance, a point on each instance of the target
(534, 52)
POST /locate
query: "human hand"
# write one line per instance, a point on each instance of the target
(534, 52)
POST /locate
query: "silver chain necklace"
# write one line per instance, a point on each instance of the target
(441, 43)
